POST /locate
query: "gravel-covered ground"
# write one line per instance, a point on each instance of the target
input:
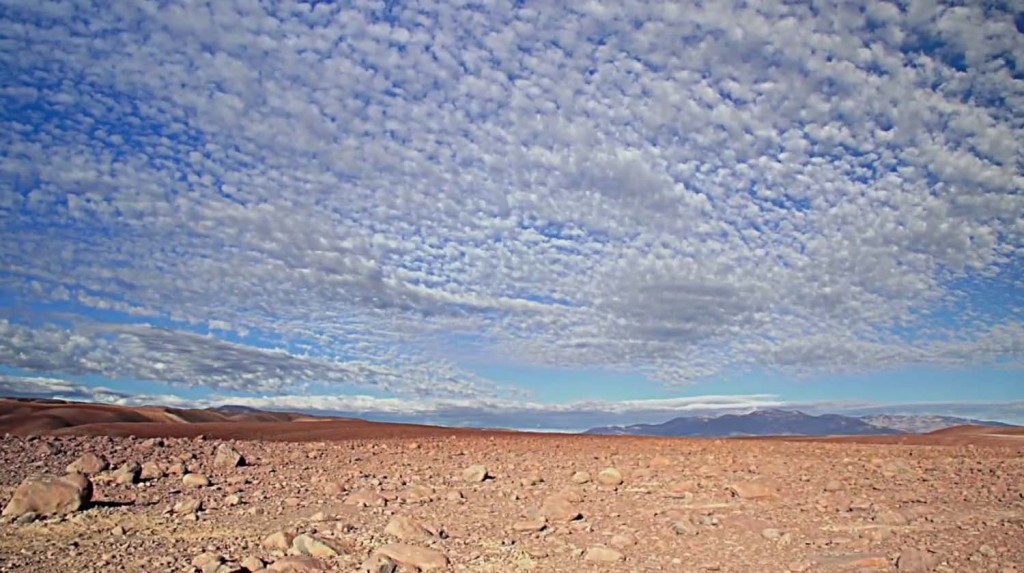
(682, 505)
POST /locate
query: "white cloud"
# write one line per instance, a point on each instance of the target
(144, 352)
(675, 190)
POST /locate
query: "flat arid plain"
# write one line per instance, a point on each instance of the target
(193, 490)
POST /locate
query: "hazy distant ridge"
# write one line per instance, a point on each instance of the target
(771, 422)
(922, 424)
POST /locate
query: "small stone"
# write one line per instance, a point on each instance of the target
(365, 498)
(455, 495)
(580, 478)
(710, 520)
(320, 517)
(177, 469)
(188, 506)
(195, 480)
(252, 563)
(151, 471)
(682, 488)
(88, 464)
(407, 529)
(475, 473)
(422, 558)
(855, 561)
(559, 507)
(659, 462)
(535, 524)
(296, 564)
(203, 559)
(684, 527)
(754, 489)
(335, 488)
(26, 518)
(280, 541)
(228, 457)
(859, 505)
(603, 554)
(128, 473)
(378, 564)
(314, 547)
(417, 494)
(622, 540)
(151, 444)
(531, 480)
(916, 560)
(609, 477)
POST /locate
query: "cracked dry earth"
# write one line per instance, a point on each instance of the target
(538, 503)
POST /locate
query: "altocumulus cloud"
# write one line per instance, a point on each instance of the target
(387, 192)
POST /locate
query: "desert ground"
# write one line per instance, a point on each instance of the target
(170, 491)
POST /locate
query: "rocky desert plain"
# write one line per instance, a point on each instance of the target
(105, 488)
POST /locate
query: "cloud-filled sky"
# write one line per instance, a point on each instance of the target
(506, 204)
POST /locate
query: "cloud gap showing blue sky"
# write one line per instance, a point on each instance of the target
(511, 203)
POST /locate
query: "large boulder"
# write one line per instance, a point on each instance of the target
(50, 495)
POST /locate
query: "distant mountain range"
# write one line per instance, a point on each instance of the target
(922, 424)
(775, 422)
(234, 408)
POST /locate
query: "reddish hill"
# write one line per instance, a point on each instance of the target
(297, 431)
(20, 416)
(25, 417)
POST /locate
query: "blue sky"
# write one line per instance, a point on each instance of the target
(469, 213)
